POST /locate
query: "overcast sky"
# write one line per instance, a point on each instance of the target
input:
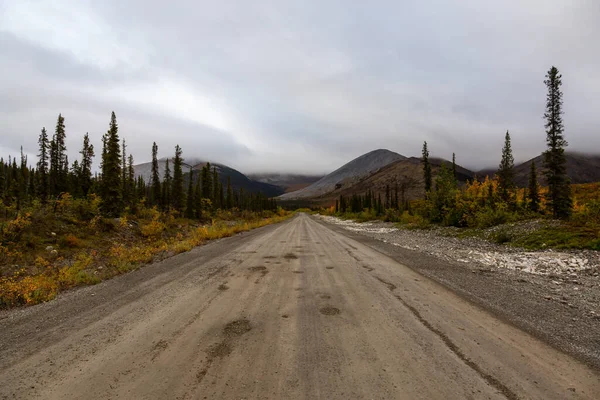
(299, 86)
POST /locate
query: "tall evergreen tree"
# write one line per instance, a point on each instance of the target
(42, 166)
(58, 155)
(189, 210)
(229, 194)
(111, 185)
(454, 165)
(198, 197)
(206, 182)
(559, 186)
(155, 179)
(215, 193)
(506, 174)
(131, 182)
(166, 187)
(533, 192)
(87, 155)
(426, 168)
(126, 189)
(177, 193)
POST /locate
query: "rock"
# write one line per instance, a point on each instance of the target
(54, 253)
(49, 248)
(52, 234)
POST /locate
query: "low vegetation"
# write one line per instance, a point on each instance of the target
(478, 210)
(46, 250)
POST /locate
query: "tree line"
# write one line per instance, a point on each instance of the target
(191, 195)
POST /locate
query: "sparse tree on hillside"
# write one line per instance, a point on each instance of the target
(155, 178)
(505, 172)
(111, 186)
(426, 168)
(166, 187)
(42, 166)
(198, 197)
(58, 158)
(189, 210)
(454, 165)
(126, 189)
(177, 193)
(207, 187)
(131, 182)
(85, 168)
(215, 193)
(559, 186)
(229, 194)
(533, 192)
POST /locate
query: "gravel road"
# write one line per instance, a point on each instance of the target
(296, 310)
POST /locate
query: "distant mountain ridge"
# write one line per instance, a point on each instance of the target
(238, 179)
(347, 175)
(289, 182)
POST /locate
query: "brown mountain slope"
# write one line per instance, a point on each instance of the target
(408, 174)
(581, 168)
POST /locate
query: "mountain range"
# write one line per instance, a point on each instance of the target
(238, 179)
(373, 171)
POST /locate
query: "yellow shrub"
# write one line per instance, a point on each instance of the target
(76, 274)
(153, 228)
(26, 290)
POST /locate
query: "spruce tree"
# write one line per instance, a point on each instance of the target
(426, 168)
(454, 165)
(131, 182)
(506, 174)
(198, 197)
(87, 154)
(42, 166)
(387, 196)
(124, 182)
(58, 153)
(215, 194)
(221, 196)
(155, 179)
(111, 185)
(206, 182)
(177, 193)
(559, 185)
(189, 210)
(166, 187)
(533, 192)
(229, 194)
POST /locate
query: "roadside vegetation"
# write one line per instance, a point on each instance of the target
(559, 215)
(61, 226)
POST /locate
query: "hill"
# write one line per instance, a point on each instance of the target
(347, 175)
(238, 180)
(288, 182)
(581, 168)
(407, 174)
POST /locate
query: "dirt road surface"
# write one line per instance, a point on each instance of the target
(289, 311)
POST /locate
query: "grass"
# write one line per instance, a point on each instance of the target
(561, 237)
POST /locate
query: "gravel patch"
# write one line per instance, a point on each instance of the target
(473, 250)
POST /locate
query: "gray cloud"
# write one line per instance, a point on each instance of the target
(299, 86)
